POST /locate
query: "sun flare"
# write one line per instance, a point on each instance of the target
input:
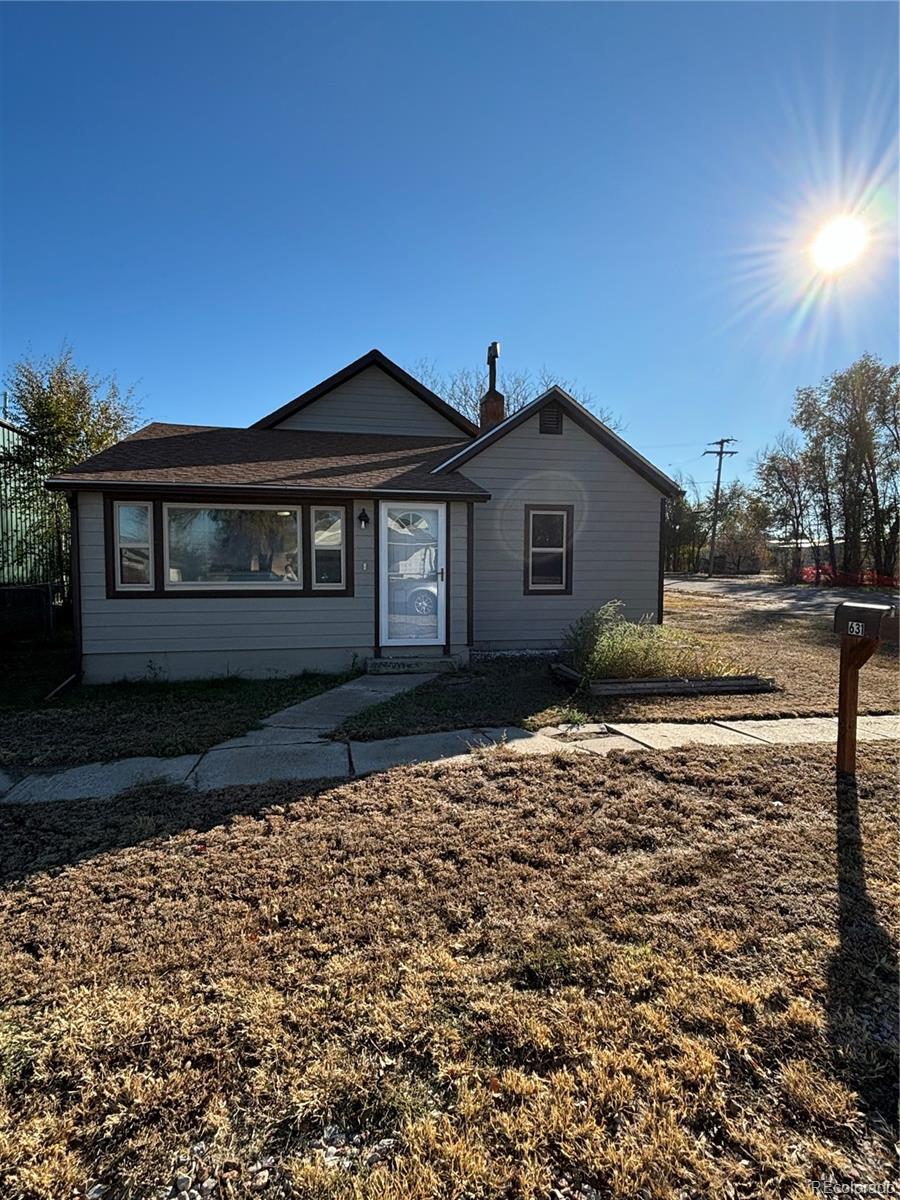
(838, 244)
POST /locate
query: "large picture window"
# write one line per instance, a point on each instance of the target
(231, 546)
(134, 546)
(548, 549)
(166, 547)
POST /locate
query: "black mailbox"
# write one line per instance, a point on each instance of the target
(867, 620)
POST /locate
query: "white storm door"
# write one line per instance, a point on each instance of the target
(413, 556)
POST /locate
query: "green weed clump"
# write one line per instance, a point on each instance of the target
(604, 645)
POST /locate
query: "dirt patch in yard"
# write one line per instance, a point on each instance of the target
(657, 975)
(801, 653)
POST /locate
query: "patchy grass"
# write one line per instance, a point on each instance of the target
(120, 720)
(800, 652)
(651, 975)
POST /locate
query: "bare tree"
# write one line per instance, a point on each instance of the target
(686, 527)
(464, 388)
(783, 486)
(850, 426)
(743, 526)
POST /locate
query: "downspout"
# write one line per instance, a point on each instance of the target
(470, 574)
(662, 560)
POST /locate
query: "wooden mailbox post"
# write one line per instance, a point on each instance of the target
(862, 627)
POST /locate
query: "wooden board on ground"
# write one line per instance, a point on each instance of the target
(724, 685)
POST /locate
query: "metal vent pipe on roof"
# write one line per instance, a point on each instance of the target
(492, 409)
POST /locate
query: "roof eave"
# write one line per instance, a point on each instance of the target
(62, 484)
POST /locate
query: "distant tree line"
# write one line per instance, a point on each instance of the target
(833, 484)
(742, 531)
(827, 492)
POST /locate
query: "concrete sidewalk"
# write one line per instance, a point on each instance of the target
(293, 745)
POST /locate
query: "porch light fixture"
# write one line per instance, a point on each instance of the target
(363, 518)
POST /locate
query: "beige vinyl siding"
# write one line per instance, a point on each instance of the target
(190, 636)
(456, 554)
(615, 535)
(372, 402)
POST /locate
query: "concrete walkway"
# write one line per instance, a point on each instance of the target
(292, 745)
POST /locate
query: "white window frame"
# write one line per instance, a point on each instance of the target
(328, 508)
(118, 544)
(562, 550)
(249, 585)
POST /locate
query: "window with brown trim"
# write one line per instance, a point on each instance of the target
(231, 545)
(327, 530)
(548, 549)
(166, 548)
(133, 545)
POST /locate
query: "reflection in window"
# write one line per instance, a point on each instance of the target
(134, 546)
(328, 547)
(231, 547)
(412, 543)
(414, 572)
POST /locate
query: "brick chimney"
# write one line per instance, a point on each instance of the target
(493, 403)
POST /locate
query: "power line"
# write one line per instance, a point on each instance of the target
(720, 453)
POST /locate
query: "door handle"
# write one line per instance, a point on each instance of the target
(441, 574)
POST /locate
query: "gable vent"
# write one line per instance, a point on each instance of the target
(551, 418)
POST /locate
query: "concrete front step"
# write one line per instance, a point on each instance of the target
(414, 666)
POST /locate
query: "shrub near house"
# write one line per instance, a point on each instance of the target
(604, 645)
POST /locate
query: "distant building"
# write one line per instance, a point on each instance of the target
(782, 550)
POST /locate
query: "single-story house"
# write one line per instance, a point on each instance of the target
(364, 520)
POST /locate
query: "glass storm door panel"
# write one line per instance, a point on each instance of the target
(413, 568)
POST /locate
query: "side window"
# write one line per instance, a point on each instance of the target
(134, 546)
(548, 549)
(327, 548)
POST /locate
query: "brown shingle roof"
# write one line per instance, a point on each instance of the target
(185, 456)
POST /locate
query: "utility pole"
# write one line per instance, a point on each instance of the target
(720, 454)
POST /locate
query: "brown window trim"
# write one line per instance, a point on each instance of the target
(566, 590)
(159, 590)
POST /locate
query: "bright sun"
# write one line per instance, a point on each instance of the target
(838, 244)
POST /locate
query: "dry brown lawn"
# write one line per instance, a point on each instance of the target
(659, 976)
(800, 653)
(101, 722)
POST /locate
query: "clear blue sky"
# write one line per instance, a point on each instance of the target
(226, 203)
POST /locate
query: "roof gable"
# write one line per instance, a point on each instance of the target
(373, 359)
(585, 420)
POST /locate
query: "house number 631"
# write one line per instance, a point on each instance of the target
(857, 628)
